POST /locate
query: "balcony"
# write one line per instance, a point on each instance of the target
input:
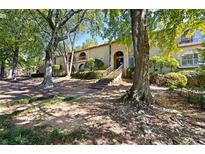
(190, 41)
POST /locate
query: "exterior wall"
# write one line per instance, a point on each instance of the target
(115, 47)
(102, 52)
(186, 50)
(60, 61)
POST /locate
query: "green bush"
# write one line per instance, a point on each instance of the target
(171, 63)
(198, 99)
(175, 79)
(157, 61)
(171, 80)
(172, 88)
(154, 76)
(88, 75)
(90, 64)
(56, 67)
(195, 77)
(99, 63)
(161, 62)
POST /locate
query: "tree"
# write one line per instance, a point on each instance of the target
(56, 20)
(21, 37)
(89, 43)
(98, 63)
(155, 62)
(163, 27)
(90, 24)
(139, 94)
(172, 63)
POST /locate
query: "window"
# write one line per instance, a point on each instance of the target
(82, 56)
(190, 60)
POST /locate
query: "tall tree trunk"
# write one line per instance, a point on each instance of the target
(14, 63)
(71, 61)
(72, 43)
(66, 65)
(66, 60)
(2, 70)
(48, 72)
(47, 81)
(139, 94)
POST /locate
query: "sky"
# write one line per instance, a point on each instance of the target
(83, 37)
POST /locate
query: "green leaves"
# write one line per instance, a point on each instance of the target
(20, 29)
(118, 26)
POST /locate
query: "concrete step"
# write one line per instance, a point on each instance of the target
(101, 84)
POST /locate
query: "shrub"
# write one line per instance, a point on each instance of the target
(172, 88)
(161, 62)
(171, 63)
(94, 75)
(198, 99)
(157, 61)
(175, 79)
(90, 64)
(88, 75)
(56, 67)
(195, 77)
(171, 80)
(154, 76)
(99, 63)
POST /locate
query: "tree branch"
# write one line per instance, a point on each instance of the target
(68, 16)
(48, 18)
(74, 28)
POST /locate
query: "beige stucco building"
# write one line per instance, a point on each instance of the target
(116, 54)
(113, 55)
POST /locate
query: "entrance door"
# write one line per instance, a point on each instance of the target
(119, 59)
(119, 62)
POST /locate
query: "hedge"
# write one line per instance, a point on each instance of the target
(88, 75)
(172, 79)
(195, 77)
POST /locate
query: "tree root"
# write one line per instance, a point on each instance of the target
(47, 84)
(137, 100)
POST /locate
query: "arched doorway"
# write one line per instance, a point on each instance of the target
(81, 67)
(118, 59)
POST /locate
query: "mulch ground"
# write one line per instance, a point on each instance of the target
(106, 120)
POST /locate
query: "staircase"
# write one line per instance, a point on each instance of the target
(112, 76)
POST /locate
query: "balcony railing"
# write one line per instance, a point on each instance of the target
(184, 40)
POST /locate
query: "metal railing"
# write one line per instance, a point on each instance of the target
(184, 40)
(116, 72)
(108, 70)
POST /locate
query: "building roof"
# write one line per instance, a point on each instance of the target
(97, 46)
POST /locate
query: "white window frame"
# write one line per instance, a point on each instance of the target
(194, 63)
